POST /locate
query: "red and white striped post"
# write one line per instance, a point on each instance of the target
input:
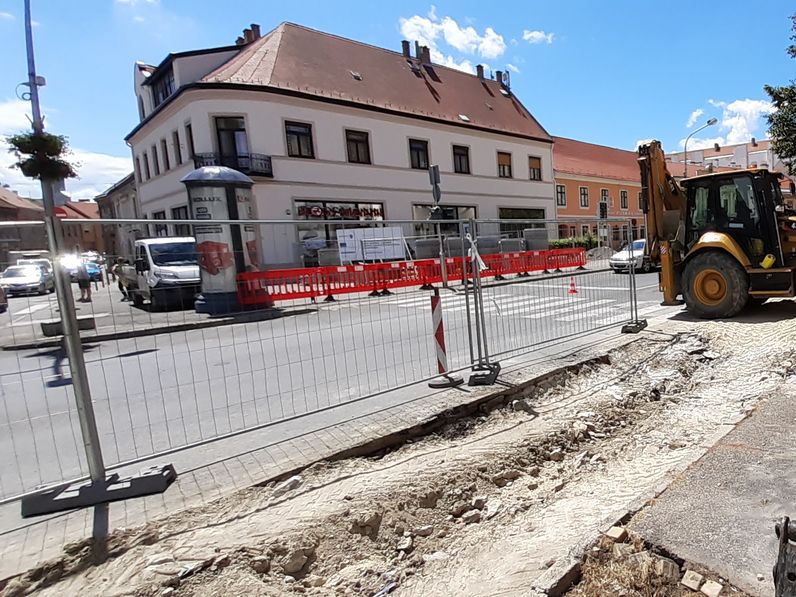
(446, 380)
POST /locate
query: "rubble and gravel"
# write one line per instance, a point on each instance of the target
(485, 506)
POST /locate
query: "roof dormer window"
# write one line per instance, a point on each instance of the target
(163, 87)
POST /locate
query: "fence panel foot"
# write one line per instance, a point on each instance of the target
(449, 380)
(634, 327)
(484, 374)
(82, 495)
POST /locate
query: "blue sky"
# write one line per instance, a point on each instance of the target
(605, 72)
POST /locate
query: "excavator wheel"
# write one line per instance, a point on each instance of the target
(715, 285)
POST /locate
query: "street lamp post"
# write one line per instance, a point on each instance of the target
(710, 122)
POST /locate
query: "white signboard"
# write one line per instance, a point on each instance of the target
(248, 234)
(370, 244)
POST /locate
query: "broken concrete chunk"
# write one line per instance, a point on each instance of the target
(522, 405)
(437, 556)
(617, 534)
(692, 580)
(533, 471)
(711, 588)
(620, 550)
(315, 581)
(556, 455)
(459, 508)
(405, 544)
(471, 516)
(288, 485)
(666, 569)
(493, 508)
(294, 561)
(430, 499)
(261, 565)
(424, 531)
(478, 502)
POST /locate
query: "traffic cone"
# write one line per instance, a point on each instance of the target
(572, 288)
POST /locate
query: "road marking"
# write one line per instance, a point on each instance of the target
(585, 315)
(32, 309)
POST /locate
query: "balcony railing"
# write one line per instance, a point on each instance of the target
(255, 164)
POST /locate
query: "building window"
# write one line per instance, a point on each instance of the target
(155, 160)
(535, 168)
(584, 196)
(418, 154)
(561, 195)
(604, 196)
(189, 140)
(639, 200)
(160, 229)
(358, 147)
(163, 87)
(461, 159)
(165, 150)
(623, 199)
(504, 164)
(147, 173)
(299, 140)
(421, 214)
(137, 169)
(524, 217)
(181, 213)
(175, 140)
(584, 230)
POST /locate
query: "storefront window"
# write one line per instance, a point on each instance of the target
(315, 234)
(519, 213)
(421, 214)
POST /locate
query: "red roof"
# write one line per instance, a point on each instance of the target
(81, 209)
(588, 159)
(309, 62)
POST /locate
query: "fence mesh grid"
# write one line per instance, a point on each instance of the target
(164, 376)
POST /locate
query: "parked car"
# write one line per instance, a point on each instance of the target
(3, 301)
(631, 253)
(71, 263)
(25, 279)
(42, 262)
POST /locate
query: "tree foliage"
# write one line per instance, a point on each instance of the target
(782, 121)
(42, 156)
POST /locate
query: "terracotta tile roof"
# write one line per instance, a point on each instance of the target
(587, 159)
(12, 200)
(302, 60)
(81, 209)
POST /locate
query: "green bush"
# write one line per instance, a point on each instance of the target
(589, 241)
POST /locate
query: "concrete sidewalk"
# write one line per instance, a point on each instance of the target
(720, 513)
(258, 456)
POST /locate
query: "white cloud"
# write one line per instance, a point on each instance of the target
(740, 121)
(693, 118)
(6, 16)
(537, 37)
(139, 19)
(97, 171)
(433, 31)
(512, 68)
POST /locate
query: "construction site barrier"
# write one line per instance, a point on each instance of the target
(264, 288)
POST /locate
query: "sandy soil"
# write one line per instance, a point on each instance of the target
(485, 507)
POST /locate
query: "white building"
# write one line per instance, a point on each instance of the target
(754, 154)
(119, 202)
(330, 128)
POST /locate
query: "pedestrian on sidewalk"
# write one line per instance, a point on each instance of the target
(116, 271)
(84, 282)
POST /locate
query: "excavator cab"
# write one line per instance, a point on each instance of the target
(723, 239)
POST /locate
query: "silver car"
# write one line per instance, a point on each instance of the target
(632, 253)
(26, 279)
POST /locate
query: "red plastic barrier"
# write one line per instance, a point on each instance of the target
(264, 288)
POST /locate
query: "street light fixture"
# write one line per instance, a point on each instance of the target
(710, 122)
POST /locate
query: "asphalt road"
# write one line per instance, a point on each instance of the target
(165, 391)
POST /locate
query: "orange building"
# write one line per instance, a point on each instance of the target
(587, 175)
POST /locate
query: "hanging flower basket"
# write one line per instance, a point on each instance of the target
(40, 156)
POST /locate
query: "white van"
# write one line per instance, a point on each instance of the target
(165, 272)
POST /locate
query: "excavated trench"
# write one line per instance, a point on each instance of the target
(497, 504)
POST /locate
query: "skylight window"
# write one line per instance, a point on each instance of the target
(356, 75)
(464, 117)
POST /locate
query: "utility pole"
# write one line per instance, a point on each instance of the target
(63, 286)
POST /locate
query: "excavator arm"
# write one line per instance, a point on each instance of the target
(665, 206)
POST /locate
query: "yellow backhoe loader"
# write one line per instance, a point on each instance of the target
(723, 240)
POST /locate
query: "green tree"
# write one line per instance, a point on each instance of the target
(782, 121)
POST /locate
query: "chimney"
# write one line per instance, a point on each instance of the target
(255, 31)
(247, 36)
(479, 70)
(426, 55)
(405, 49)
(499, 76)
(418, 51)
(754, 142)
(240, 41)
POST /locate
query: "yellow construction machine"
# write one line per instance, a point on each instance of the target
(723, 240)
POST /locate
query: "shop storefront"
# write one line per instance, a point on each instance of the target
(316, 233)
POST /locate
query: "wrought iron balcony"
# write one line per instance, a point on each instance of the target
(255, 164)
